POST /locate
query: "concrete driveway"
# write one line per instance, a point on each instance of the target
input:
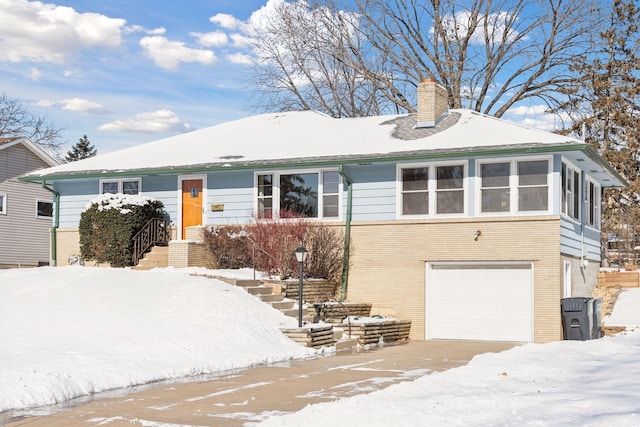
(246, 397)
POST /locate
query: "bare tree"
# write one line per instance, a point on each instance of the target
(17, 120)
(300, 63)
(604, 106)
(488, 54)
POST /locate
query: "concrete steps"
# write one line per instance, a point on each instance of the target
(158, 257)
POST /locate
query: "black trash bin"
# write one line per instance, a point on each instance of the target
(581, 318)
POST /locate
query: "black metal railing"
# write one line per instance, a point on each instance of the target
(154, 233)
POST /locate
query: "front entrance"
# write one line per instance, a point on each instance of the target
(191, 204)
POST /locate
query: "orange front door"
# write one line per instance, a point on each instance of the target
(191, 204)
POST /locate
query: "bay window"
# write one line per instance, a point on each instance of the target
(309, 194)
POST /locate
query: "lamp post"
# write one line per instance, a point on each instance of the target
(301, 256)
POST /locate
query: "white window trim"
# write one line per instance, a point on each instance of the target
(43, 216)
(120, 181)
(597, 204)
(3, 209)
(513, 186)
(276, 191)
(432, 188)
(581, 209)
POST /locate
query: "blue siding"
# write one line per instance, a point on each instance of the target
(165, 189)
(74, 197)
(234, 190)
(571, 240)
(374, 192)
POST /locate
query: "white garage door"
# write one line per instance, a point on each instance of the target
(480, 302)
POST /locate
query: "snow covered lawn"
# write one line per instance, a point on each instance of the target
(567, 383)
(66, 332)
(72, 331)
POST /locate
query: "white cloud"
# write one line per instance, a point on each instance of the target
(215, 38)
(35, 74)
(83, 106)
(140, 29)
(536, 116)
(169, 54)
(46, 103)
(242, 41)
(35, 31)
(155, 122)
(226, 21)
(240, 58)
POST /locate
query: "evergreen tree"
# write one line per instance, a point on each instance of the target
(82, 150)
(605, 107)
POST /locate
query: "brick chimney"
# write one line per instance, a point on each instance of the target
(433, 104)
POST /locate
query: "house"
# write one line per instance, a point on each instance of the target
(469, 226)
(26, 209)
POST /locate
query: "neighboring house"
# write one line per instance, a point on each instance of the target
(470, 226)
(26, 209)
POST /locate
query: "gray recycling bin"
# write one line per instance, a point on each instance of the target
(581, 318)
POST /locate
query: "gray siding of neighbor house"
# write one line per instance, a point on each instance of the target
(24, 237)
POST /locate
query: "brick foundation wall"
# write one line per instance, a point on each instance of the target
(388, 263)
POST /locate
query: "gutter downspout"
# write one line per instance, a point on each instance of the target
(56, 224)
(347, 234)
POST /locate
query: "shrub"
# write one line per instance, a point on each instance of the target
(273, 240)
(109, 223)
(326, 250)
(229, 246)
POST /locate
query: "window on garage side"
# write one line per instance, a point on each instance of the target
(528, 191)
(44, 209)
(495, 191)
(593, 203)
(3, 204)
(415, 191)
(533, 188)
(124, 186)
(570, 191)
(450, 189)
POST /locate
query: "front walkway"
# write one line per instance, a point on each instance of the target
(243, 398)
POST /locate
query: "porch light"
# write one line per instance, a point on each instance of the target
(301, 257)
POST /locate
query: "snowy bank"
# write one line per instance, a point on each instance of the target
(73, 331)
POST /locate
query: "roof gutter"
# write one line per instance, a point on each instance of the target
(326, 161)
(56, 223)
(347, 234)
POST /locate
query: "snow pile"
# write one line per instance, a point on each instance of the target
(73, 331)
(626, 311)
(568, 383)
(118, 201)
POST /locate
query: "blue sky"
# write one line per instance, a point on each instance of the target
(125, 72)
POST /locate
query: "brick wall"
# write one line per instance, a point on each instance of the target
(433, 103)
(388, 263)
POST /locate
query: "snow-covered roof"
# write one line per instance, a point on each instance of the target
(306, 137)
